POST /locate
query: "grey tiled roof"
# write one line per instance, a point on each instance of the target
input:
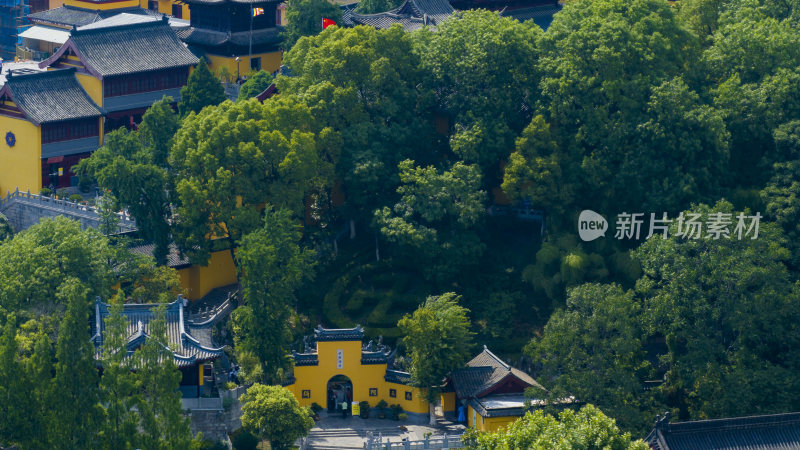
(339, 334)
(542, 15)
(190, 344)
(174, 258)
(203, 37)
(398, 376)
(305, 359)
(483, 372)
(50, 96)
(768, 432)
(72, 16)
(127, 49)
(412, 15)
(500, 405)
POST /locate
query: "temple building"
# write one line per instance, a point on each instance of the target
(189, 341)
(336, 360)
(52, 28)
(491, 391)
(228, 32)
(773, 431)
(124, 69)
(49, 123)
(411, 14)
(198, 281)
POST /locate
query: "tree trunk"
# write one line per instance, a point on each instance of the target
(377, 250)
(352, 229)
(432, 413)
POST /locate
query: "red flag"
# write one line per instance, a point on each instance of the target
(327, 22)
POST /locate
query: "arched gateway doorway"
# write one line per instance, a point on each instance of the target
(340, 389)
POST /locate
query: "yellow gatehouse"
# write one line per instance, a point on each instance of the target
(339, 363)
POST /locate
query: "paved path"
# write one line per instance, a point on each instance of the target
(333, 432)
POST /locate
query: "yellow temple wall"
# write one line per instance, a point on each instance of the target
(198, 281)
(165, 7)
(93, 87)
(102, 6)
(448, 401)
(269, 62)
(22, 163)
(487, 423)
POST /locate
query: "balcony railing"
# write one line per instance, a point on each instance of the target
(24, 53)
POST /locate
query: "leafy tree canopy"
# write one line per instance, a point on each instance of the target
(587, 429)
(272, 413)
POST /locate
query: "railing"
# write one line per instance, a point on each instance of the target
(202, 403)
(213, 314)
(24, 53)
(64, 206)
(375, 442)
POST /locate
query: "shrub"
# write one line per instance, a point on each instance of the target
(382, 404)
(244, 440)
(396, 411)
(402, 416)
(363, 407)
(61, 193)
(76, 198)
(316, 408)
(230, 385)
(45, 192)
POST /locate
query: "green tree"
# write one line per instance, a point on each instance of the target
(76, 415)
(364, 83)
(782, 199)
(304, 18)
(136, 176)
(272, 413)
(15, 426)
(727, 310)
(202, 89)
(162, 423)
(37, 263)
(6, 230)
(255, 85)
(599, 320)
(273, 266)
(231, 159)
(483, 74)
(118, 384)
(438, 339)
(534, 171)
(587, 428)
(601, 62)
(157, 130)
(436, 217)
(39, 368)
(376, 6)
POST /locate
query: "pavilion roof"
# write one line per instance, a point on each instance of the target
(484, 372)
(190, 343)
(49, 96)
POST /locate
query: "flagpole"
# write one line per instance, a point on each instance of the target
(250, 51)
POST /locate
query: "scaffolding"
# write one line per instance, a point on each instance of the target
(13, 21)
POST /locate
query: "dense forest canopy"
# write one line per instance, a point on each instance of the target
(374, 170)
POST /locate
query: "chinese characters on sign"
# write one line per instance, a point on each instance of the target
(592, 225)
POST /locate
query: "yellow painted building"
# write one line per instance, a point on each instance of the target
(339, 360)
(48, 123)
(489, 392)
(228, 32)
